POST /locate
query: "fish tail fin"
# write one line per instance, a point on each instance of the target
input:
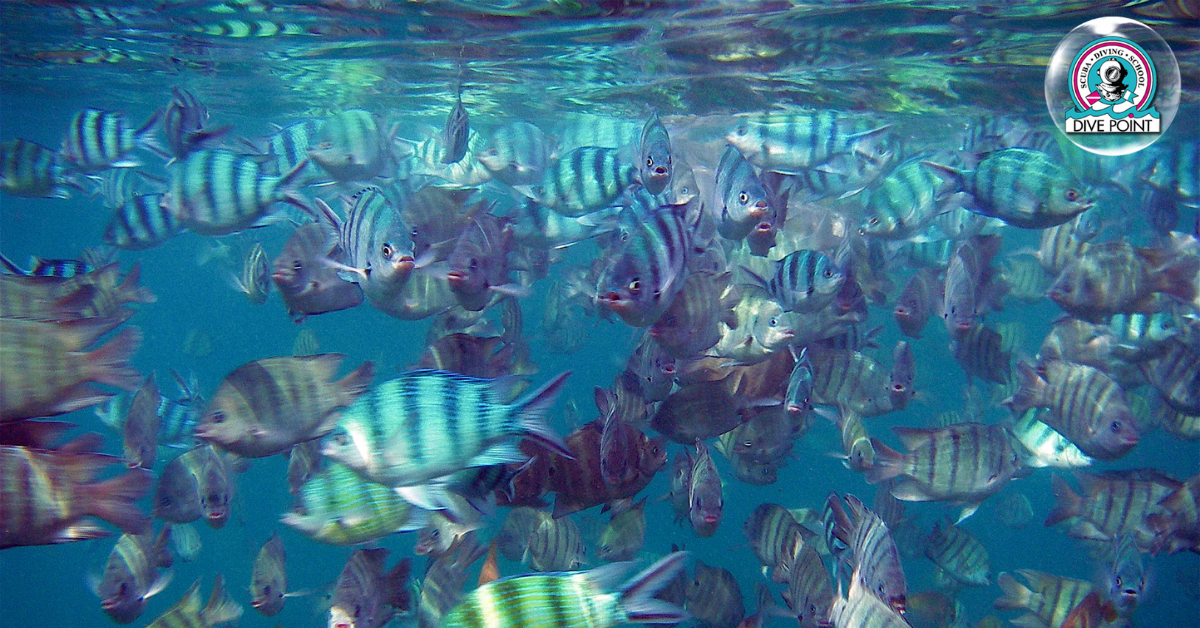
(1178, 278)
(889, 463)
(1067, 502)
(12, 267)
(1029, 389)
(162, 552)
(1016, 595)
(113, 500)
(220, 608)
(109, 363)
(534, 406)
(398, 595)
(637, 594)
(130, 292)
(356, 382)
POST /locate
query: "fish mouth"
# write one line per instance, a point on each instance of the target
(764, 227)
(711, 518)
(456, 276)
(110, 604)
(659, 172)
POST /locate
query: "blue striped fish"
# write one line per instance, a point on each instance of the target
(804, 281)
(30, 169)
(140, 223)
(654, 150)
(350, 146)
(62, 268)
(336, 506)
(215, 192)
(648, 263)
(426, 424)
(375, 242)
(794, 141)
(98, 140)
(582, 599)
(739, 196)
(584, 180)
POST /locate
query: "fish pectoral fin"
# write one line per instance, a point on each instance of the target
(967, 511)
(430, 496)
(500, 453)
(161, 583)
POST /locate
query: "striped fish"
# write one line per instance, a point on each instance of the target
(571, 600)
(98, 140)
(810, 591)
(905, 202)
(349, 146)
(1061, 245)
(555, 544)
(131, 574)
(1113, 503)
(739, 198)
(773, 534)
(441, 587)
(1023, 187)
(584, 180)
(426, 424)
(862, 609)
(266, 406)
(140, 223)
(1176, 377)
(454, 136)
(622, 538)
(793, 142)
(1086, 406)
(966, 462)
(646, 269)
(959, 554)
(47, 494)
(289, 147)
(853, 380)
(183, 124)
(516, 153)
(980, 354)
(30, 169)
(187, 613)
(804, 281)
(367, 597)
(1047, 448)
(1049, 598)
(465, 173)
(1177, 526)
(215, 192)
(234, 28)
(579, 130)
(60, 268)
(337, 507)
(140, 430)
(870, 550)
(44, 368)
(654, 150)
(177, 418)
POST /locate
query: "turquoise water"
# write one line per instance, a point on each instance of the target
(926, 68)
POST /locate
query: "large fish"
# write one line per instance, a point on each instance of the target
(571, 600)
(97, 140)
(375, 243)
(959, 554)
(714, 598)
(349, 146)
(306, 283)
(1049, 598)
(338, 507)
(962, 463)
(266, 406)
(517, 153)
(1116, 278)
(584, 180)
(217, 191)
(804, 281)
(195, 484)
(869, 550)
(794, 142)
(740, 200)
(478, 264)
(30, 169)
(427, 424)
(578, 482)
(1112, 505)
(647, 265)
(625, 533)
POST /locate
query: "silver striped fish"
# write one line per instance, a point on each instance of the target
(98, 140)
(427, 424)
(584, 180)
(215, 192)
(959, 554)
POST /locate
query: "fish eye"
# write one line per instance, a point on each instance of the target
(297, 266)
(773, 322)
(1072, 195)
(649, 162)
(413, 233)
(217, 417)
(341, 439)
(873, 221)
(1115, 426)
(635, 286)
(828, 273)
(474, 265)
(387, 251)
(743, 198)
(741, 130)
(435, 533)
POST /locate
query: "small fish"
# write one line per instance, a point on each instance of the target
(554, 545)
(61, 268)
(338, 507)
(902, 375)
(1126, 576)
(740, 200)
(441, 588)
(763, 328)
(1023, 187)
(584, 180)
(647, 267)
(367, 597)
(654, 150)
(141, 428)
(349, 145)
(131, 575)
(825, 140)
(97, 140)
(804, 281)
(1049, 598)
(183, 124)
(691, 325)
(1046, 447)
(618, 442)
(1116, 278)
(869, 549)
(651, 370)
(478, 266)
(309, 286)
(810, 591)
(516, 153)
(32, 170)
(185, 540)
(861, 608)
(905, 202)
(142, 222)
(255, 281)
(773, 533)
(704, 496)
(268, 581)
(375, 244)
(624, 535)
(443, 535)
(1112, 503)
(714, 598)
(959, 554)
(187, 613)
(195, 484)
(454, 136)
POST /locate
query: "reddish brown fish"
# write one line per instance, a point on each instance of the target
(306, 283)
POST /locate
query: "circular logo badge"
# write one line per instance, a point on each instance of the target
(1112, 86)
